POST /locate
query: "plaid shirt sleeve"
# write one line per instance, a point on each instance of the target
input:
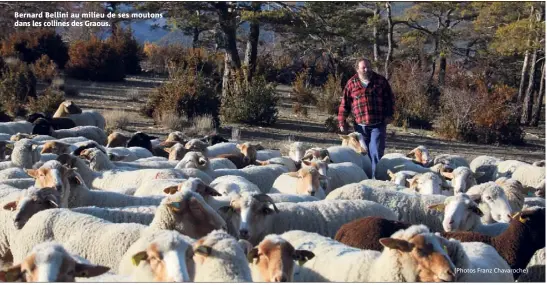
(345, 105)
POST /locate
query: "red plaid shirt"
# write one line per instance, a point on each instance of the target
(370, 105)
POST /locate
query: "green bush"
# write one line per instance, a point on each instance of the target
(95, 60)
(17, 84)
(30, 45)
(127, 46)
(254, 103)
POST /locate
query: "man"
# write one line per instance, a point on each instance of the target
(369, 97)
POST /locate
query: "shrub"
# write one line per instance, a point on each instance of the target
(169, 59)
(414, 106)
(116, 119)
(46, 102)
(480, 114)
(329, 99)
(303, 94)
(17, 84)
(172, 120)
(95, 60)
(186, 94)
(45, 69)
(30, 45)
(127, 46)
(331, 124)
(254, 103)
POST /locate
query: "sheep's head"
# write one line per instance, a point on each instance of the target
(32, 201)
(176, 152)
(461, 213)
(248, 214)
(20, 136)
(353, 141)
(421, 156)
(163, 261)
(42, 127)
(196, 145)
(177, 137)
(116, 139)
(191, 212)
(141, 139)
(431, 261)
(427, 183)
(194, 159)
(71, 108)
(50, 262)
(462, 178)
(25, 153)
(273, 259)
(297, 151)
(533, 220)
(316, 153)
(55, 147)
(192, 184)
(309, 182)
(401, 178)
(249, 152)
(213, 139)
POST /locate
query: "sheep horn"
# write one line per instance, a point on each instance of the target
(267, 199)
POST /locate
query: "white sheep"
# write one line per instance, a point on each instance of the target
(267, 154)
(401, 177)
(129, 153)
(158, 257)
(252, 218)
(493, 202)
(50, 262)
(104, 242)
(339, 154)
(398, 262)
(487, 165)
(395, 162)
(218, 257)
(12, 128)
(530, 202)
(19, 183)
(450, 160)
(221, 163)
(282, 160)
(529, 176)
(430, 183)
(409, 207)
(306, 181)
(229, 184)
(220, 148)
(155, 187)
(514, 191)
(338, 174)
(507, 167)
(261, 176)
(80, 118)
(461, 213)
(13, 172)
(99, 161)
(24, 155)
(90, 132)
(297, 150)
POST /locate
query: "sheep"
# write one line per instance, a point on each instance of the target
(80, 118)
(395, 162)
(24, 155)
(197, 160)
(99, 161)
(13, 172)
(117, 139)
(50, 262)
(104, 242)
(228, 184)
(524, 236)
(214, 150)
(56, 123)
(252, 218)
(507, 167)
(159, 257)
(155, 187)
(273, 259)
(91, 132)
(305, 181)
(530, 202)
(450, 160)
(12, 128)
(144, 140)
(35, 138)
(219, 258)
(421, 155)
(514, 191)
(430, 183)
(287, 162)
(262, 176)
(112, 180)
(487, 165)
(221, 163)
(462, 178)
(529, 176)
(409, 207)
(213, 139)
(247, 155)
(401, 177)
(297, 150)
(338, 174)
(5, 137)
(338, 154)
(398, 262)
(267, 154)
(176, 152)
(461, 213)
(535, 268)
(493, 203)
(19, 183)
(477, 262)
(128, 153)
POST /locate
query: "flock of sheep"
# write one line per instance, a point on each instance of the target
(78, 205)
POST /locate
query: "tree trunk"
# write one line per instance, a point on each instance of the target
(442, 68)
(232, 61)
(226, 75)
(195, 38)
(524, 71)
(539, 101)
(252, 47)
(389, 40)
(375, 31)
(528, 96)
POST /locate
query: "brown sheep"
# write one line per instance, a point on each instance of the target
(365, 233)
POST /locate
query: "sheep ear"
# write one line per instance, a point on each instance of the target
(301, 256)
(437, 207)
(238, 146)
(391, 174)
(32, 172)
(171, 190)
(89, 270)
(138, 257)
(252, 255)
(11, 206)
(476, 210)
(398, 244)
(206, 190)
(412, 182)
(204, 250)
(11, 274)
(479, 174)
(475, 197)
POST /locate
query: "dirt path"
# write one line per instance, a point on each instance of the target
(130, 95)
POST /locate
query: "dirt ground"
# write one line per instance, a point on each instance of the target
(130, 95)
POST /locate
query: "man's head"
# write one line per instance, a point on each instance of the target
(363, 66)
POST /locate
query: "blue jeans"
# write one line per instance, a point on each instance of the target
(374, 139)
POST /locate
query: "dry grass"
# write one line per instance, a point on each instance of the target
(134, 95)
(118, 120)
(172, 121)
(200, 126)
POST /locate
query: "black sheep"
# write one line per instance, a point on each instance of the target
(56, 123)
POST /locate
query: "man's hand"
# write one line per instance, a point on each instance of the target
(388, 120)
(342, 129)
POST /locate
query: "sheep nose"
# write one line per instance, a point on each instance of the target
(280, 278)
(451, 222)
(312, 193)
(243, 233)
